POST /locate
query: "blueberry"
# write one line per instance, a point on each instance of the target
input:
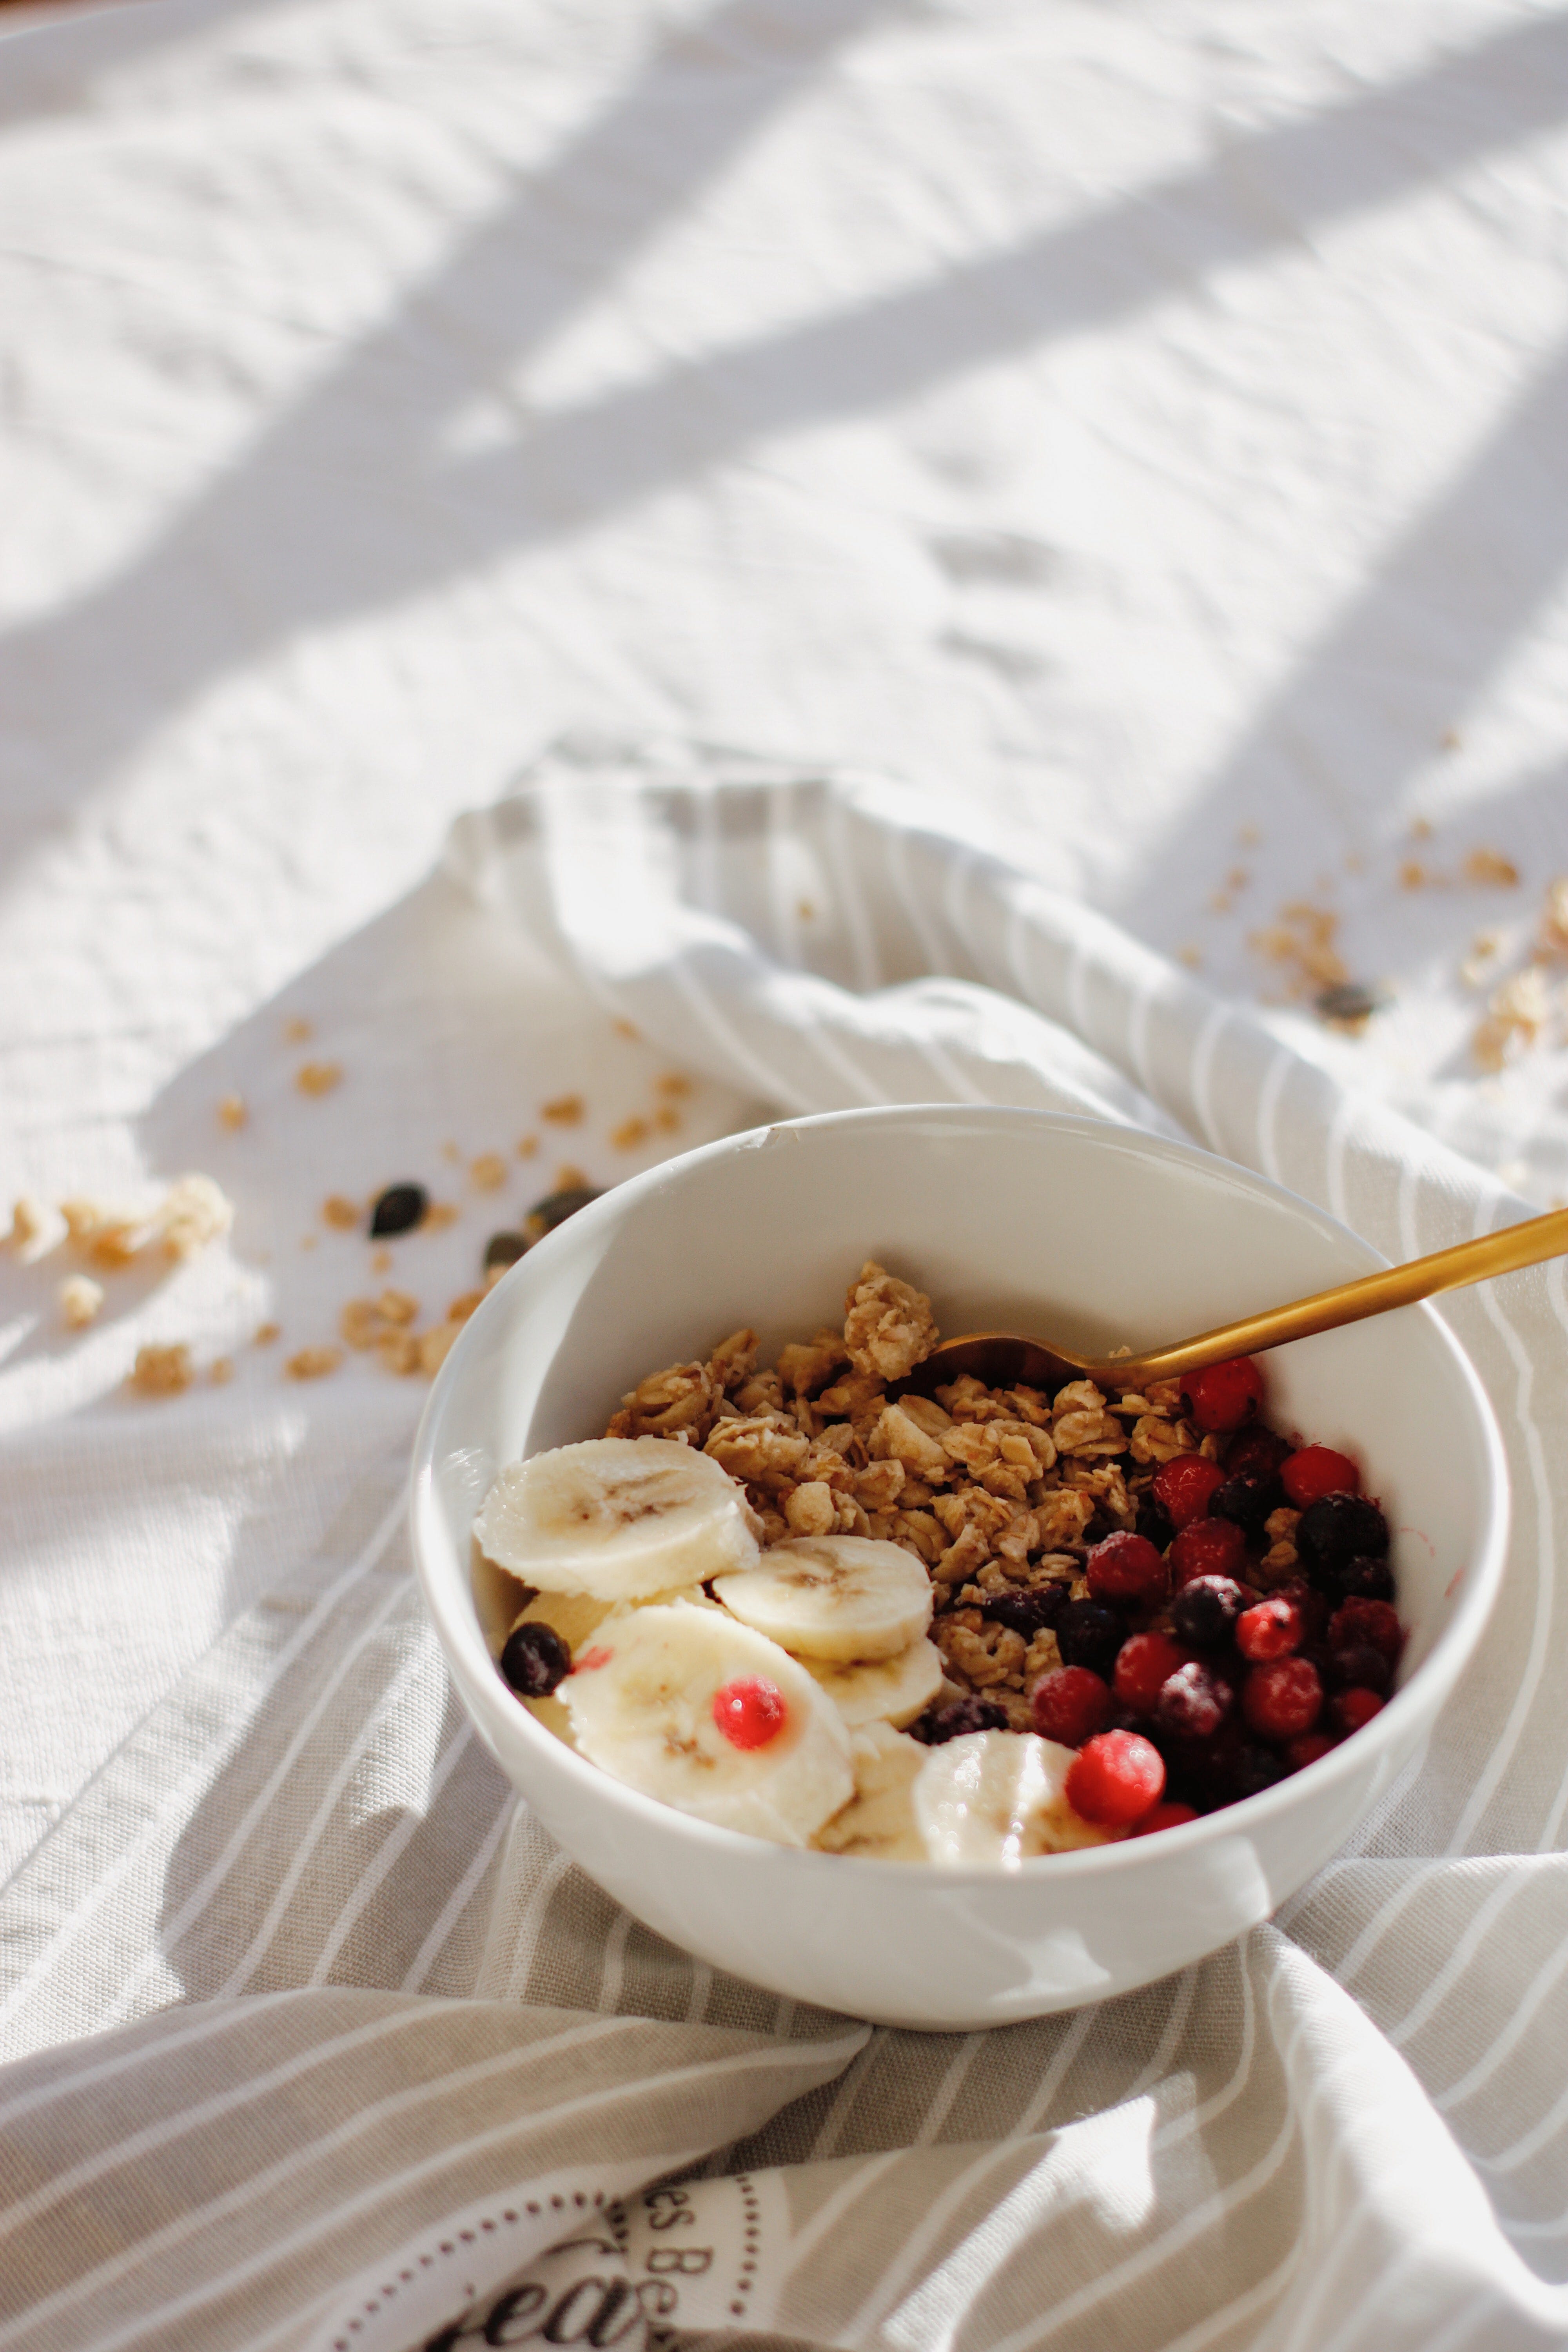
(1194, 1700)
(1155, 1523)
(554, 1210)
(1088, 1635)
(535, 1659)
(397, 1210)
(1338, 1528)
(1206, 1609)
(942, 1723)
(503, 1249)
(1248, 1499)
(1026, 1613)
(1359, 1579)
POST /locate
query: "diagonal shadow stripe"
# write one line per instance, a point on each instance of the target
(345, 502)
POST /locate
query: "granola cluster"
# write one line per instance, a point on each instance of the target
(997, 1491)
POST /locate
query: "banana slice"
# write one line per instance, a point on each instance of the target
(620, 1518)
(880, 1820)
(573, 1615)
(642, 1703)
(843, 1597)
(991, 1798)
(888, 1690)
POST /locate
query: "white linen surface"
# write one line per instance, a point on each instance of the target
(1132, 427)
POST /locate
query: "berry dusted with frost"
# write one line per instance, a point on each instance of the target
(1350, 1709)
(1256, 1454)
(1360, 1579)
(1088, 1635)
(1360, 1666)
(1145, 1664)
(1168, 1814)
(1207, 1547)
(1299, 1753)
(1247, 1502)
(535, 1660)
(1115, 1780)
(1193, 1701)
(1317, 1470)
(1222, 1396)
(1269, 1629)
(1126, 1568)
(1205, 1612)
(1185, 1484)
(1367, 1621)
(1338, 1528)
(1070, 1705)
(945, 1722)
(751, 1712)
(1027, 1613)
(1283, 1700)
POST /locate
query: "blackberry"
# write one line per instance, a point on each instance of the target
(1338, 1528)
(941, 1724)
(1359, 1579)
(397, 1210)
(1256, 1454)
(1247, 1500)
(1203, 1612)
(535, 1660)
(1027, 1613)
(1088, 1635)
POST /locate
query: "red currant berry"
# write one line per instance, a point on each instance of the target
(1283, 1700)
(1207, 1547)
(750, 1712)
(1070, 1705)
(1351, 1708)
(1316, 1471)
(1376, 1621)
(1126, 1568)
(1166, 1815)
(1269, 1629)
(1144, 1664)
(1194, 1700)
(1222, 1396)
(1299, 1753)
(1115, 1778)
(1184, 1484)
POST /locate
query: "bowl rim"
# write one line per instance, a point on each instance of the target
(446, 1584)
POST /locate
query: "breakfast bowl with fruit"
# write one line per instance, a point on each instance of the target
(943, 1699)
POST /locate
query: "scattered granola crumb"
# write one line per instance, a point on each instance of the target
(31, 1226)
(1238, 878)
(569, 1178)
(231, 1112)
(1555, 917)
(463, 1307)
(295, 1031)
(1248, 837)
(629, 1134)
(1303, 942)
(672, 1082)
(1355, 862)
(381, 1261)
(194, 1212)
(80, 1301)
(1420, 828)
(488, 1172)
(440, 1214)
(1485, 949)
(266, 1333)
(314, 1363)
(397, 1306)
(341, 1212)
(566, 1110)
(318, 1077)
(1413, 875)
(436, 1346)
(1450, 738)
(526, 1146)
(399, 1352)
(358, 1323)
(1515, 1019)
(805, 910)
(667, 1118)
(309, 1241)
(1219, 902)
(628, 1029)
(161, 1372)
(450, 1152)
(1191, 956)
(220, 1373)
(1489, 867)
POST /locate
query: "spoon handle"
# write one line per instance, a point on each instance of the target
(1372, 1293)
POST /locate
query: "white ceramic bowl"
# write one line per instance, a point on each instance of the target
(1009, 1218)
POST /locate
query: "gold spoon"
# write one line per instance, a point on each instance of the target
(1005, 1359)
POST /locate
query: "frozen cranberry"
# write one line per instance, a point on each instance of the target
(535, 1660)
(1088, 1635)
(1299, 1753)
(1351, 1708)
(1027, 1613)
(1207, 1547)
(1222, 1396)
(941, 1724)
(1184, 1484)
(1337, 1528)
(1070, 1705)
(1194, 1700)
(1248, 1500)
(1115, 1778)
(1168, 1814)
(1282, 1700)
(1367, 1621)
(1142, 1665)
(1269, 1629)
(1360, 1580)
(1205, 1612)
(1257, 1453)
(1318, 1471)
(1357, 1666)
(1126, 1568)
(750, 1712)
